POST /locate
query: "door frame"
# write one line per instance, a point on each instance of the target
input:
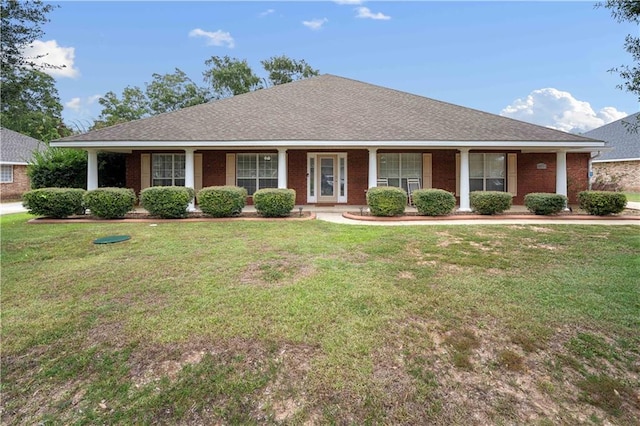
(340, 177)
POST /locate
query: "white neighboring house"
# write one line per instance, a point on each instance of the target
(621, 165)
(16, 150)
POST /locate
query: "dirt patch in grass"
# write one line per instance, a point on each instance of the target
(284, 270)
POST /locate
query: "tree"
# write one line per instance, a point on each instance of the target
(628, 10)
(30, 104)
(283, 69)
(133, 106)
(171, 92)
(230, 76)
(21, 25)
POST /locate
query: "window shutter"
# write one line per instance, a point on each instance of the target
(231, 169)
(145, 171)
(427, 171)
(457, 173)
(512, 173)
(197, 159)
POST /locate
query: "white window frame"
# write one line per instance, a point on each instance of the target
(486, 173)
(341, 168)
(401, 176)
(273, 157)
(3, 173)
(174, 169)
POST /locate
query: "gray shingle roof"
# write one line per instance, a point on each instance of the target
(326, 108)
(625, 144)
(16, 147)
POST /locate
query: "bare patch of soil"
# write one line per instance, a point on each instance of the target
(284, 270)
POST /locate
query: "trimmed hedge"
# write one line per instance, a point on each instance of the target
(602, 203)
(544, 203)
(110, 203)
(433, 202)
(167, 202)
(222, 201)
(490, 202)
(54, 202)
(386, 201)
(272, 202)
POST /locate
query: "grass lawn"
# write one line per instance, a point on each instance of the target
(316, 323)
(633, 196)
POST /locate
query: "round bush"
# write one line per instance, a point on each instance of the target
(222, 201)
(386, 201)
(545, 203)
(54, 202)
(433, 202)
(271, 202)
(490, 202)
(602, 203)
(167, 202)
(110, 203)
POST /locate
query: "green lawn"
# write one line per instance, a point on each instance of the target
(294, 322)
(633, 196)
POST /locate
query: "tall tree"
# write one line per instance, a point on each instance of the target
(283, 69)
(133, 106)
(230, 76)
(628, 11)
(171, 92)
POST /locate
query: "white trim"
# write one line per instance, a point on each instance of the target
(12, 163)
(616, 161)
(398, 144)
(282, 168)
(373, 167)
(465, 205)
(190, 175)
(92, 169)
(341, 199)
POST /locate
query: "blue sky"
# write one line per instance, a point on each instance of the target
(544, 62)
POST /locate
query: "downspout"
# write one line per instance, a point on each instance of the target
(591, 158)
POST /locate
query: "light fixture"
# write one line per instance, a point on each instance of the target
(267, 158)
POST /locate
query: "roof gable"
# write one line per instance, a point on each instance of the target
(625, 144)
(327, 108)
(18, 148)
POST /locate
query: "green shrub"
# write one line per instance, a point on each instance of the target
(271, 202)
(433, 202)
(602, 203)
(490, 202)
(222, 201)
(59, 168)
(110, 203)
(167, 202)
(386, 200)
(544, 203)
(54, 202)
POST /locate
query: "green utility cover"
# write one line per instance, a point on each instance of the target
(111, 239)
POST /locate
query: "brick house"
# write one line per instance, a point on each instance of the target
(16, 150)
(331, 138)
(621, 164)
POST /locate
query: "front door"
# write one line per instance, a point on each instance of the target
(327, 177)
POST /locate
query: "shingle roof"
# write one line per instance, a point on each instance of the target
(326, 108)
(625, 144)
(16, 147)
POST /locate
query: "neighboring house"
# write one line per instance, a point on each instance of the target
(16, 150)
(331, 138)
(621, 165)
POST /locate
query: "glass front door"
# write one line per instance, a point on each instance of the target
(327, 179)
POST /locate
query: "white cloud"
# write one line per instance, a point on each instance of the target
(78, 104)
(218, 38)
(315, 24)
(560, 110)
(365, 12)
(52, 54)
(267, 12)
(348, 1)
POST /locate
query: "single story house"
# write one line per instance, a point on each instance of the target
(621, 164)
(331, 138)
(16, 151)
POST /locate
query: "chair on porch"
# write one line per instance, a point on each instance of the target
(412, 185)
(383, 182)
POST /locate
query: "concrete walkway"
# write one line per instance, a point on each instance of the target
(8, 208)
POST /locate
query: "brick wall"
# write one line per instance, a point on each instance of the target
(625, 173)
(20, 184)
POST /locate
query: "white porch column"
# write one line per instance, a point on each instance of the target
(465, 206)
(373, 167)
(92, 169)
(189, 174)
(282, 168)
(561, 174)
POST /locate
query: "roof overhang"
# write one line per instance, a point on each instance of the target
(533, 146)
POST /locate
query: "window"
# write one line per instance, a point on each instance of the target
(168, 170)
(487, 172)
(397, 168)
(257, 171)
(6, 173)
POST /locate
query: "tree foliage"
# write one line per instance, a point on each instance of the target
(230, 76)
(133, 105)
(283, 69)
(171, 92)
